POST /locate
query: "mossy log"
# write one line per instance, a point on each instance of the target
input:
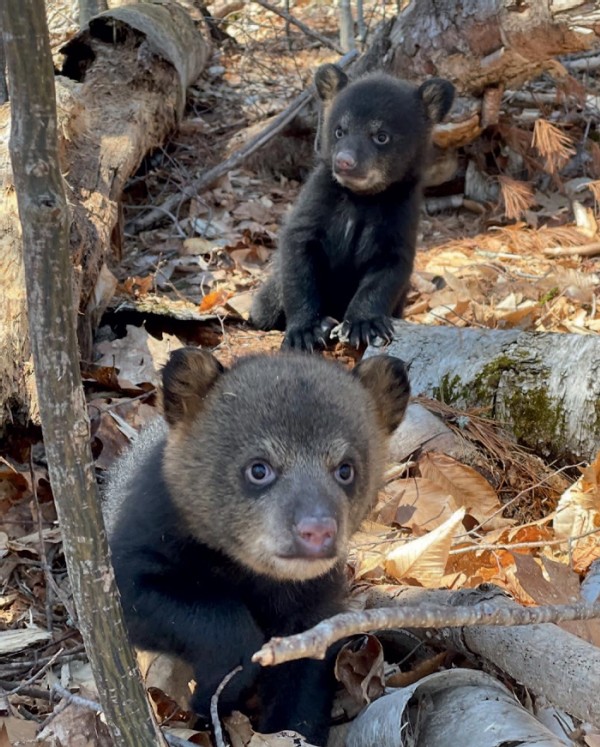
(121, 91)
(544, 387)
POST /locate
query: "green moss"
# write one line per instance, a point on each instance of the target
(486, 382)
(450, 390)
(535, 417)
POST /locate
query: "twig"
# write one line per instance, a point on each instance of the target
(34, 677)
(214, 707)
(313, 643)
(92, 705)
(302, 26)
(584, 250)
(77, 700)
(42, 546)
(145, 222)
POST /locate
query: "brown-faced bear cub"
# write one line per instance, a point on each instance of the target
(230, 523)
(347, 250)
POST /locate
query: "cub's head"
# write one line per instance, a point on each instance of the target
(276, 461)
(376, 131)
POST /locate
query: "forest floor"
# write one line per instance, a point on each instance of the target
(512, 256)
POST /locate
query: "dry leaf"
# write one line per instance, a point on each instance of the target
(359, 667)
(468, 488)
(423, 504)
(578, 510)
(424, 559)
(214, 298)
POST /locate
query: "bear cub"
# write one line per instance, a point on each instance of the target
(229, 520)
(347, 250)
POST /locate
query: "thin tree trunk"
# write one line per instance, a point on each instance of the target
(543, 386)
(45, 222)
(347, 41)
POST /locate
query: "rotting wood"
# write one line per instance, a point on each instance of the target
(123, 90)
(543, 386)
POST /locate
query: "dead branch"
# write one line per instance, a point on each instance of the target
(205, 180)
(585, 250)
(302, 26)
(314, 643)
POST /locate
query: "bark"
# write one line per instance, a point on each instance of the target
(123, 90)
(547, 660)
(543, 386)
(455, 707)
(45, 222)
(488, 46)
(89, 8)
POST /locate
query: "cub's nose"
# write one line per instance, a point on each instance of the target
(315, 537)
(344, 161)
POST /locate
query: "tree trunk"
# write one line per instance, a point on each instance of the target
(45, 223)
(122, 91)
(544, 386)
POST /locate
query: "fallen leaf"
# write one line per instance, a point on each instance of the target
(468, 488)
(359, 667)
(424, 559)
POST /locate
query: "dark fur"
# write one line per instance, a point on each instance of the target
(347, 251)
(208, 565)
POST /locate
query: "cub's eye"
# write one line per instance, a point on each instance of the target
(259, 473)
(381, 138)
(344, 473)
(338, 133)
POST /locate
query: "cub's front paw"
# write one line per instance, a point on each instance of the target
(364, 331)
(309, 338)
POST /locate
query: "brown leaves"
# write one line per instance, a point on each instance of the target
(552, 144)
(517, 197)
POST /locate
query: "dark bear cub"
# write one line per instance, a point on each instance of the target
(232, 520)
(347, 250)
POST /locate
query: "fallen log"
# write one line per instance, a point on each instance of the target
(549, 661)
(122, 90)
(544, 387)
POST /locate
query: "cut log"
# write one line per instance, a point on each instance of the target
(543, 386)
(122, 91)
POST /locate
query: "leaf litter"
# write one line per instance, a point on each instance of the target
(525, 260)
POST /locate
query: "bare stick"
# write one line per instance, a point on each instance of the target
(302, 26)
(204, 181)
(585, 250)
(313, 643)
(214, 707)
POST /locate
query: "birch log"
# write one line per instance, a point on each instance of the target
(545, 387)
(549, 661)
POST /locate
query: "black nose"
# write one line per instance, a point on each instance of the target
(315, 537)
(344, 161)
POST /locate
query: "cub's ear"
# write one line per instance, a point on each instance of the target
(187, 377)
(329, 81)
(386, 379)
(437, 95)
